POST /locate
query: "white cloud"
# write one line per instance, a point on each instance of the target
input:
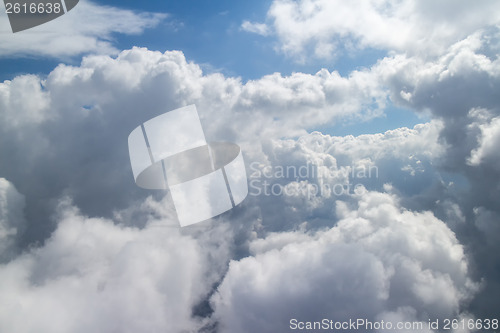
(94, 275)
(378, 258)
(417, 27)
(88, 28)
(16, 108)
(104, 98)
(257, 28)
(272, 106)
(488, 141)
(82, 115)
(279, 105)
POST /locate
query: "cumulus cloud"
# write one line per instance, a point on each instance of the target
(73, 127)
(96, 274)
(460, 88)
(322, 27)
(490, 136)
(65, 135)
(377, 259)
(88, 28)
(16, 108)
(306, 176)
(111, 276)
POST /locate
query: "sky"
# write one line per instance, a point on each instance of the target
(369, 132)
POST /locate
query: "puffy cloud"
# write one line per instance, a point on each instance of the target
(460, 88)
(378, 259)
(17, 109)
(94, 274)
(87, 28)
(418, 27)
(66, 135)
(162, 81)
(462, 78)
(299, 180)
(91, 261)
(486, 151)
(70, 134)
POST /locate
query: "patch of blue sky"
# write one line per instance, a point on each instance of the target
(391, 117)
(12, 67)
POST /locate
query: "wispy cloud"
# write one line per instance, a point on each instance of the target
(257, 28)
(88, 28)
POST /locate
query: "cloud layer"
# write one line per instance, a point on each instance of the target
(81, 240)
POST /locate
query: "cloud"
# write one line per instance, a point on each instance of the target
(94, 274)
(18, 110)
(256, 28)
(488, 223)
(12, 219)
(379, 258)
(88, 28)
(73, 126)
(459, 88)
(490, 133)
(306, 176)
(65, 136)
(322, 28)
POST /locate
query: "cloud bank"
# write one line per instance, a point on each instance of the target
(80, 240)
